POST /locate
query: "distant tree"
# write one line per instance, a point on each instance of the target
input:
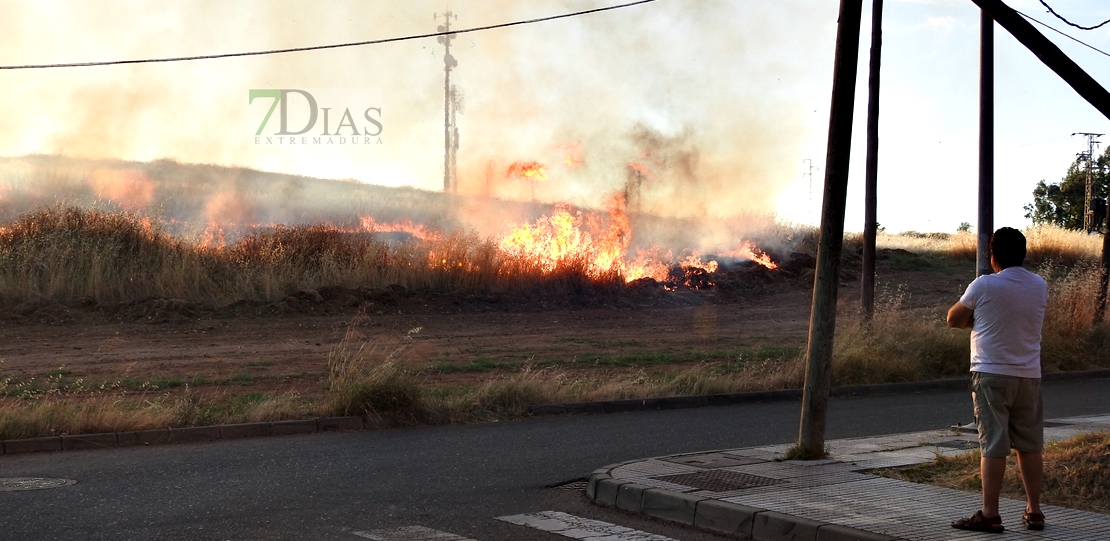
(965, 227)
(1061, 203)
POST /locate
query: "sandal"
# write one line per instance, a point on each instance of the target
(1033, 521)
(979, 523)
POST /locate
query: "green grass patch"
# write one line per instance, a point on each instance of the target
(167, 382)
(728, 361)
(242, 378)
(160, 382)
(206, 413)
(20, 389)
(477, 365)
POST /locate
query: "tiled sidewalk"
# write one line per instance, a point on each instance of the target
(753, 493)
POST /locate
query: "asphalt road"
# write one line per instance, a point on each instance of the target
(453, 478)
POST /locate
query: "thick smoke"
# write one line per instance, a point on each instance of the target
(697, 94)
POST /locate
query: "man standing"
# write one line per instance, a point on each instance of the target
(1005, 312)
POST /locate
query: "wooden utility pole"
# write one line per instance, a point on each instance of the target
(1104, 263)
(871, 177)
(1071, 73)
(1049, 53)
(822, 321)
(986, 144)
(1104, 267)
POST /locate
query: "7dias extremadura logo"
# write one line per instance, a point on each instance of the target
(302, 119)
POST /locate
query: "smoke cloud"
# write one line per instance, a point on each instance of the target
(696, 110)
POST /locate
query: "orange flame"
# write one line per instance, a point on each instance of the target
(648, 264)
(566, 239)
(531, 171)
(749, 251)
(572, 154)
(213, 238)
(693, 261)
(420, 231)
(643, 267)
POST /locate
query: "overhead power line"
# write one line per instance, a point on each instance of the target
(322, 47)
(1062, 34)
(1061, 17)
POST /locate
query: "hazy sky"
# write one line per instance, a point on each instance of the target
(722, 100)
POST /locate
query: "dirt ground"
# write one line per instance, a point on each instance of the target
(277, 347)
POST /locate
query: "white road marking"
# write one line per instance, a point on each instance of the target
(580, 528)
(411, 533)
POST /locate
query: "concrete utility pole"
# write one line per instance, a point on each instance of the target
(871, 177)
(986, 145)
(1090, 221)
(826, 281)
(450, 129)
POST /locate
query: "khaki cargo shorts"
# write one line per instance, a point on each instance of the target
(1009, 413)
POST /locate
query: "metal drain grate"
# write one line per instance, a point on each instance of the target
(719, 480)
(12, 484)
(580, 484)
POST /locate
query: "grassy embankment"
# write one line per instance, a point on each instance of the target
(1077, 474)
(62, 255)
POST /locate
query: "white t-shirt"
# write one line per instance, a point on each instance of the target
(1009, 312)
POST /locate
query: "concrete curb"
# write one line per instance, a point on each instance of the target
(194, 434)
(715, 515)
(825, 500)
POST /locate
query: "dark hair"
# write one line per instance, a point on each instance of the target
(1008, 247)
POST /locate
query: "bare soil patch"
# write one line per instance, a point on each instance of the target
(448, 340)
(289, 352)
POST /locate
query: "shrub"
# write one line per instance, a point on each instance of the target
(364, 379)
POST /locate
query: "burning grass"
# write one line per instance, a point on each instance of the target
(65, 254)
(1076, 474)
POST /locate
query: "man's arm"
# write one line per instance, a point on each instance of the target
(960, 316)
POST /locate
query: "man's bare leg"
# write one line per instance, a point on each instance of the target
(992, 470)
(1032, 477)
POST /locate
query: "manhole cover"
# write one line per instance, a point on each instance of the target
(11, 484)
(719, 480)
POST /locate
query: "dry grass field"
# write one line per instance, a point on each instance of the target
(110, 323)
